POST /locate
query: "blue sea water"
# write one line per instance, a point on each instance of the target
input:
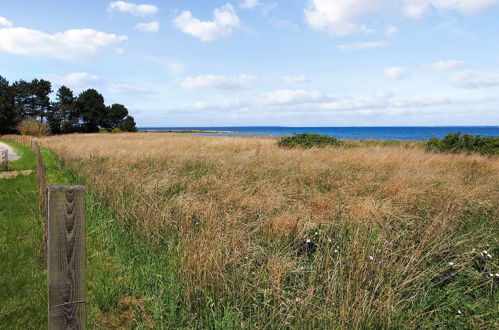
(386, 133)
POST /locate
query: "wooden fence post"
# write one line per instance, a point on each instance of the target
(4, 158)
(66, 257)
(42, 184)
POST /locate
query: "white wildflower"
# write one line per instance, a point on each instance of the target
(451, 264)
(491, 275)
(330, 240)
(497, 274)
(308, 240)
(459, 312)
(371, 258)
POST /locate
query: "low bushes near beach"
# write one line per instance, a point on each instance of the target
(456, 143)
(308, 140)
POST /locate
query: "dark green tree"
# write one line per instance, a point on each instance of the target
(115, 116)
(62, 116)
(24, 99)
(41, 90)
(128, 125)
(91, 110)
(8, 114)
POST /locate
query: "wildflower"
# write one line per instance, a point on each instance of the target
(497, 274)
(491, 275)
(459, 312)
(316, 233)
(330, 240)
(298, 300)
(302, 268)
(308, 240)
(451, 264)
(371, 258)
(335, 250)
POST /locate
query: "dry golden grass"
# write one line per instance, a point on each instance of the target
(383, 223)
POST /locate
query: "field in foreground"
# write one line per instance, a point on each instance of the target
(371, 235)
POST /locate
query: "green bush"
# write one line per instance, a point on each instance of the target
(308, 140)
(455, 143)
(116, 130)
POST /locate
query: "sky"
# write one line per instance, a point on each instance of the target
(266, 62)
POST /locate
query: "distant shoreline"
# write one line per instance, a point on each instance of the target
(187, 131)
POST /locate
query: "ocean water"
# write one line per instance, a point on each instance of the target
(385, 133)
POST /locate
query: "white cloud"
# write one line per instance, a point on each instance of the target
(444, 65)
(75, 80)
(339, 18)
(286, 96)
(396, 73)
(474, 79)
(148, 27)
(249, 4)
(224, 21)
(295, 79)
(363, 45)
(5, 22)
(132, 8)
(77, 44)
(218, 82)
(467, 7)
(345, 17)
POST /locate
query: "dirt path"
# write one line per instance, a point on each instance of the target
(12, 154)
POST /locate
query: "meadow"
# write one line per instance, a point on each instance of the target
(371, 234)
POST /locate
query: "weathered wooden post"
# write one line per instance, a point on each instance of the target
(66, 257)
(4, 159)
(42, 184)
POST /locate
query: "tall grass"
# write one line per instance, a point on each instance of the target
(364, 235)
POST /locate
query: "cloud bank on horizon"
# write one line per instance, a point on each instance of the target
(267, 62)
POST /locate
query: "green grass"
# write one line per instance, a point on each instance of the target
(22, 276)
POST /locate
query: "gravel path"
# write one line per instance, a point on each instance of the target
(12, 154)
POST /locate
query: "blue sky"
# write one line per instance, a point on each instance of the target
(266, 62)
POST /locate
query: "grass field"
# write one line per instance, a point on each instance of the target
(209, 232)
(237, 232)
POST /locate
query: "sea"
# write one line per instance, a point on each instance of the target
(381, 133)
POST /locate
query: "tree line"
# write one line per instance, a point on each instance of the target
(86, 113)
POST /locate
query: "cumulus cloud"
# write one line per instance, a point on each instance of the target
(76, 44)
(218, 82)
(286, 96)
(249, 4)
(295, 79)
(148, 27)
(75, 80)
(224, 21)
(5, 22)
(363, 45)
(474, 79)
(132, 8)
(341, 18)
(444, 65)
(396, 73)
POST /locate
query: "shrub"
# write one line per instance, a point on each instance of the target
(30, 126)
(116, 130)
(455, 143)
(308, 140)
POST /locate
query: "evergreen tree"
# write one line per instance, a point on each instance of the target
(8, 115)
(115, 116)
(128, 125)
(91, 110)
(62, 118)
